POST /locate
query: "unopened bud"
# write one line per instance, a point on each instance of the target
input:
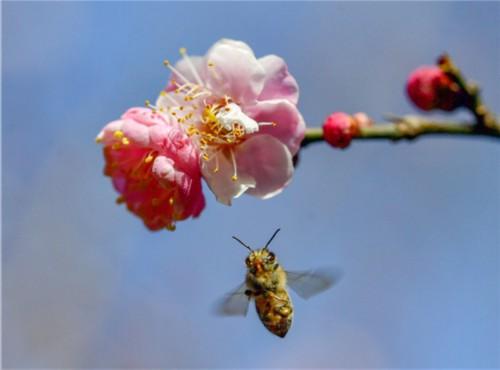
(430, 88)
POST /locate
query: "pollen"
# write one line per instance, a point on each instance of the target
(170, 227)
(118, 134)
(234, 178)
(120, 200)
(149, 158)
(125, 141)
(171, 201)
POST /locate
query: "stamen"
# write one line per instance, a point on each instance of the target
(268, 124)
(170, 99)
(235, 172)
(216, 169)
(211, 67)
(190, 64)
(167, 64)
(118, 134)
(120, 199)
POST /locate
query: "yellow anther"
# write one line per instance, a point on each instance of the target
(98, 139)
(234, 178)
(274, 123)
(163, 93)
(147, 103)
(125, 141)
(171, 201)
(216, 169)
(166, 63)
(118, 134)
(181, 107)
(120, 200)
(211, 64)
(205, 156)
(182, 51)
(148, 159)
(170, 227)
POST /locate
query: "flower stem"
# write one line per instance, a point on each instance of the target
(411, 127)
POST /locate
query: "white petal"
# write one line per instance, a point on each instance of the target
(221, 182)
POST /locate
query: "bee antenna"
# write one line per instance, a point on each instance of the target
(243, 244)
(272, 237)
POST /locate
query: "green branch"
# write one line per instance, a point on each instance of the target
(410, 128)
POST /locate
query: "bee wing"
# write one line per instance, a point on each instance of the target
(309, 283)
(234, 303)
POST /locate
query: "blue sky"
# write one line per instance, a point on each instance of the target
(414, 226)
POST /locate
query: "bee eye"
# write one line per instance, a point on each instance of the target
(271, 257)
(247, 261)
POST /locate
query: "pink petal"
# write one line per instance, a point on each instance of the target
(137, 133)
(236, 71)
(106, 136)
(268, 161)
(290, 126)
(183, 67)
(145, 116)
(221, 182)
(279, 84)
(163, 169)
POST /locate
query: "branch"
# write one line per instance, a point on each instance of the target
(411, 127)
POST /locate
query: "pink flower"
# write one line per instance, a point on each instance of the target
(339, 128)
(154, 166)
(242, 114)
(430, 88)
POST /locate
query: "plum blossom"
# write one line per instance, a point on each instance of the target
(242, 114)
(154, 166)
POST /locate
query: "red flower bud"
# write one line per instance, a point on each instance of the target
(430, 88)
(339, 129)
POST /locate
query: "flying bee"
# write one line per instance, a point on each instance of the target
(266, 282)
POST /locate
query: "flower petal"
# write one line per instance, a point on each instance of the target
(268, 161)
(290, 126)
(198, 64)
(279, 84)
(221, 182)
(235, 71)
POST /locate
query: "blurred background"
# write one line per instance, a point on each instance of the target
(413, 226)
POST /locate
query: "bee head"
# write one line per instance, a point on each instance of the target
(260, 259)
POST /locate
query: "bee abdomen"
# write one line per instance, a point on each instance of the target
(275, 310)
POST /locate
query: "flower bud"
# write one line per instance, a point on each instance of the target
(362, 120)
(339, 129)
(430, 88)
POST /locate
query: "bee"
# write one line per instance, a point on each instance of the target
(266, 282)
